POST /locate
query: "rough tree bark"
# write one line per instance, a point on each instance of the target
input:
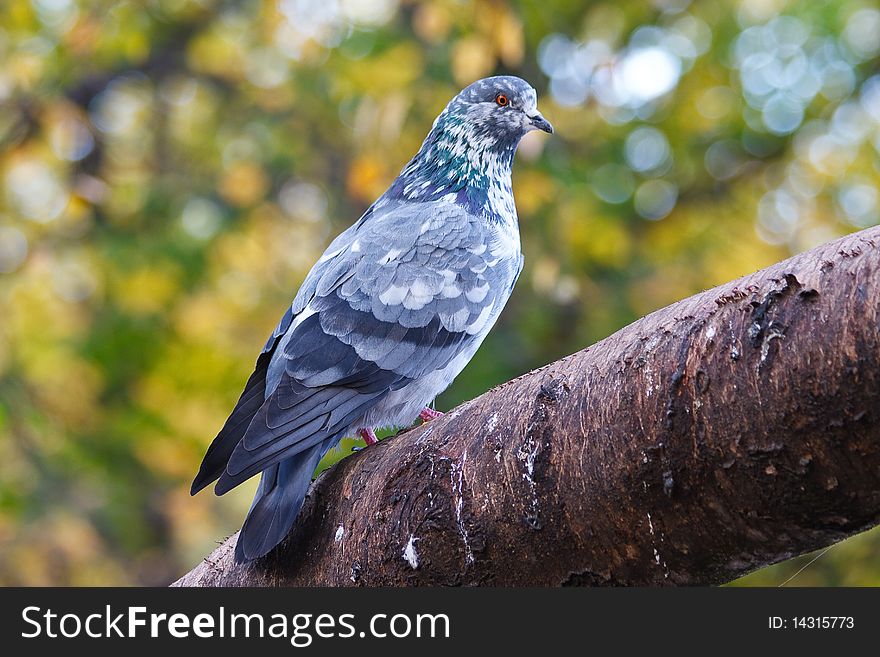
(729, 431)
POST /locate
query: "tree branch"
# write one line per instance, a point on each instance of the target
(726, 432)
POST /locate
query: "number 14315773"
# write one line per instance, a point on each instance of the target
(811, 623)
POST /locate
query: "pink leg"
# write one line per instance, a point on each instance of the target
(428, 414)
(368, 435)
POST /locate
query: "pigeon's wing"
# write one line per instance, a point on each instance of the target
(254, 395)
(248, 404)
(400, 297)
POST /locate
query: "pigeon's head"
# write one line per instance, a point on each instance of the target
(499, 109)
(470, 148)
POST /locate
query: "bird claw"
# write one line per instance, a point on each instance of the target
(428, 414)
(367, 435)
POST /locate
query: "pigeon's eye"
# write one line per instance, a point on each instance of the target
(502, 100)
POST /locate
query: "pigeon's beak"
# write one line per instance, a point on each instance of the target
(538, 122)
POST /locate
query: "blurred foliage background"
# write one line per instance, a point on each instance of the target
(170, 169)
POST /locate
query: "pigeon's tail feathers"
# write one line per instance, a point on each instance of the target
(233, 430)
(278, 500)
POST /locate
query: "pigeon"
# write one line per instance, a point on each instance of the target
(388, 316)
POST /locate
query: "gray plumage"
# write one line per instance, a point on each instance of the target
(389, 315)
